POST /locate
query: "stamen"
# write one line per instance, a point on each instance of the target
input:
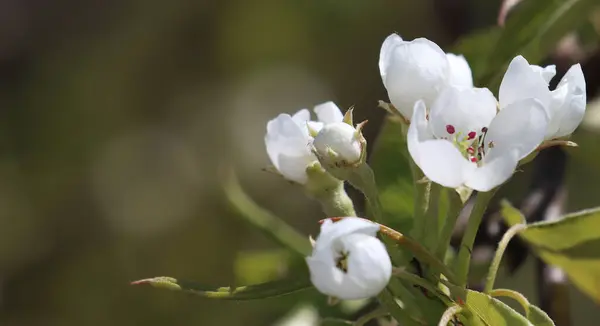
(342, 262)
(472, 135)
(491, 144)
(471, 150)
(450, 129)
(484, 129)
(474, 159)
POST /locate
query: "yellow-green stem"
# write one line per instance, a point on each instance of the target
(463, 261)
(491, 276)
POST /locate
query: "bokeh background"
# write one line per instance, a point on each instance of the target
(117, 119)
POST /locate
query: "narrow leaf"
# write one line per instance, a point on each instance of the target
(249, 292)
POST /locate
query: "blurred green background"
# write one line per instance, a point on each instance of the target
(117, 118)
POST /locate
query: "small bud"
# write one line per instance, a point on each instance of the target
(348, 261)
(339, 144)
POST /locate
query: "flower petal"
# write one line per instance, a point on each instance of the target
(301, 117)
(443, 163)
(465, 109)
(293, 167)
(547, 72)
(284, 135)
(493, 173)
(385, 53)
(521, 81)
(568, 104)
(332, 230)
(460, 72)
(417, 70)
(418, 131)
(520, 126)
(328, 112)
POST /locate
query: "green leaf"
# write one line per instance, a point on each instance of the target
(389, 161)
(573, 244)
(532, 29)
(249, 292)
(491, 312)
(534, 314)
(512, 216)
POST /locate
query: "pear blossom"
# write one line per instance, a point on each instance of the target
(419, 70)
(348, 261)
(464, 142)
(339, 139)
(289, 143)
(565, 105)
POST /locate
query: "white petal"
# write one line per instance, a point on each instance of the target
(287, 146)
(418, 131)
(547, 72)
(332, 230)
(301, 117)
(368, 267)
(328, 112)
(521, 126)
(493, 172)
(293, 168)
(521, 81)
(385, 53)
(340, 137)
(462, 109)
(417, 70)
(442, 163)
(284, 135)
(568, 104)
(460, 72)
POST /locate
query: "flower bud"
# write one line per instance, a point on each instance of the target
(348, 262)
(411, 71)
(339, 143)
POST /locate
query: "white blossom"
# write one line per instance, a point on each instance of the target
(419, 70)
(341, 140)
(464, 141)
(565, 105)
(348, 261)
(289, 143)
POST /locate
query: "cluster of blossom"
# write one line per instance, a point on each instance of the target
(459, 136)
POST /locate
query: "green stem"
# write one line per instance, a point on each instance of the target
(521, 299)
(363, 179)
(379, 312)
(432, 218)
(387, 300)
(335, 201)
(491, 276)
(449, 315)
(265, 221)
(466, 246)
(415, 280)
(329, 191)
(449, 224)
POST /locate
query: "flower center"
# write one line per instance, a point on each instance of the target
(341, 262)
(470, 144)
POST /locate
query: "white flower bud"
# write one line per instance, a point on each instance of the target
(411, 71)
(339, 142)
(348, 262)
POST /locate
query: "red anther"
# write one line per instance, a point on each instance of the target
(474, 159)
(472, 135)
(484, 129)
(450, 129)
(471, 150)
(460, 301)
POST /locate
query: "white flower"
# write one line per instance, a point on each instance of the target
(464, 142)
(411, 71)
(341, 140)
(289, 143)
(348, 262)
(460, 72)
(565, 105)
(419, 70)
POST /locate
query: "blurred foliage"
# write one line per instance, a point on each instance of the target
(117, 115)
